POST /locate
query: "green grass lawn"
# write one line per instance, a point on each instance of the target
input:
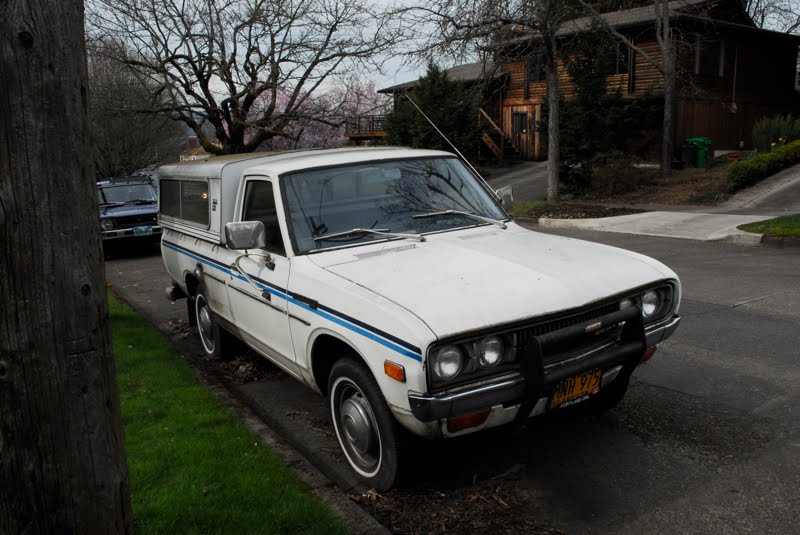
(193, 467)
(781, 226)
(522, 208)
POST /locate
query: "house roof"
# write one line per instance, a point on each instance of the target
(627, 17)
(638, 16)
(470, 72)
(701, 10)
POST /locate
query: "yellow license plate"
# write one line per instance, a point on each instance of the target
(575, 389)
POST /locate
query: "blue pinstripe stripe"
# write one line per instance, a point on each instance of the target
(399, 346)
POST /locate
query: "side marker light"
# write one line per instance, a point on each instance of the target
(395, 371)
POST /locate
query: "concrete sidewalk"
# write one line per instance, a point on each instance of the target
(685, 225)
(776, 196)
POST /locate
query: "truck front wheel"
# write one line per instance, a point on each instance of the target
(367, 432)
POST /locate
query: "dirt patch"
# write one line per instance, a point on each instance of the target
(698, 187)
(243, 365)
(247, 366)
(485, 507)
(577, 211)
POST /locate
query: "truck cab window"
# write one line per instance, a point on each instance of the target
(259, 205)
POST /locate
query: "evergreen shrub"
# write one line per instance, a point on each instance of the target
(748, 172)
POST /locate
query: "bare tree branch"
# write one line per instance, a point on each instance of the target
(230, 64)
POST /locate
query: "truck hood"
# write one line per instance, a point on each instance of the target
(470, 279)
(124, 210)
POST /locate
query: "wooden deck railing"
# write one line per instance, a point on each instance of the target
(364, 124)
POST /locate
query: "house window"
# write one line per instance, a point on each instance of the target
(536, 70)
(619, 59)
(709, 56)
(519, 123)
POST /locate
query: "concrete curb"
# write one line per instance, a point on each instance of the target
(743, 238)
(781, 242)
(352, 516)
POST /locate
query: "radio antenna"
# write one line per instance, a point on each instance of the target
(443, 136)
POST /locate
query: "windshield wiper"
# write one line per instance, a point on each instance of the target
(141, 201)
(497, 222)
(112, 203)
(376, 231)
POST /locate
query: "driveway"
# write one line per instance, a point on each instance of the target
(528, 178)
(707, 441)
(780, 192)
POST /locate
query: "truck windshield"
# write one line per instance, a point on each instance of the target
(384, 196)
(128, 193)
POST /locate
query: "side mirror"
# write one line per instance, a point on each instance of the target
(245, 235)
(506, 196)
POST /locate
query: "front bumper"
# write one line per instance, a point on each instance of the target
(117, 233)
(512, 390)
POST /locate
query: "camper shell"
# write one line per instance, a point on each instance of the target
(218, 179)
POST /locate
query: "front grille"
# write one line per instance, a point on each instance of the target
(559, 349)
(134, 220)
(561, 323)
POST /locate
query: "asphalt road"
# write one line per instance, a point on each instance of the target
(529, 180)
(707, 440)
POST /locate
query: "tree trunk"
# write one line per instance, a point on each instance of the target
(666, 136)
(553, 121)
(62, 456)
(667, 45)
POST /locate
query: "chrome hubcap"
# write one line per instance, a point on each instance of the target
(205, 324)
(358, 428)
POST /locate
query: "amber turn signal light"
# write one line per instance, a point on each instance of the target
(647, 354)
(395, 371)
(459, 423)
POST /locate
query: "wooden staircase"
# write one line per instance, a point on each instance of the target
(495, 140)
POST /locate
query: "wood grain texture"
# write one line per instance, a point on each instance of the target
(62, 457)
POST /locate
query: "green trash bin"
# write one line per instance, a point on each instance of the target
(702, 149)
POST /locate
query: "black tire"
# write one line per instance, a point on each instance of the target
(190, 312)
(367, 432)
(212, 336)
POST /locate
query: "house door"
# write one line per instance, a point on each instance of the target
(519, 127)
(522, 131)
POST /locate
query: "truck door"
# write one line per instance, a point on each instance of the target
(262, 314)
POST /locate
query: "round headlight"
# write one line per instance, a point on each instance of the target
(107, 224)
(650, 302)
(447, 363)
(490, 351)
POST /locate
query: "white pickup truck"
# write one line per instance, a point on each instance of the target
(392, 281)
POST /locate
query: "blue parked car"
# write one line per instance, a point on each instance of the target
(128, 208)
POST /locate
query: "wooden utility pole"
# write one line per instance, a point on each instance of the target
(62, 455)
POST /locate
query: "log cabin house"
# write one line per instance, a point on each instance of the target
(730, 73)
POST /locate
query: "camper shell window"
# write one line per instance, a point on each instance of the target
(186, 200)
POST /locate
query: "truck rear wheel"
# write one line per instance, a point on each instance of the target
(367, 432)
(212, 336)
